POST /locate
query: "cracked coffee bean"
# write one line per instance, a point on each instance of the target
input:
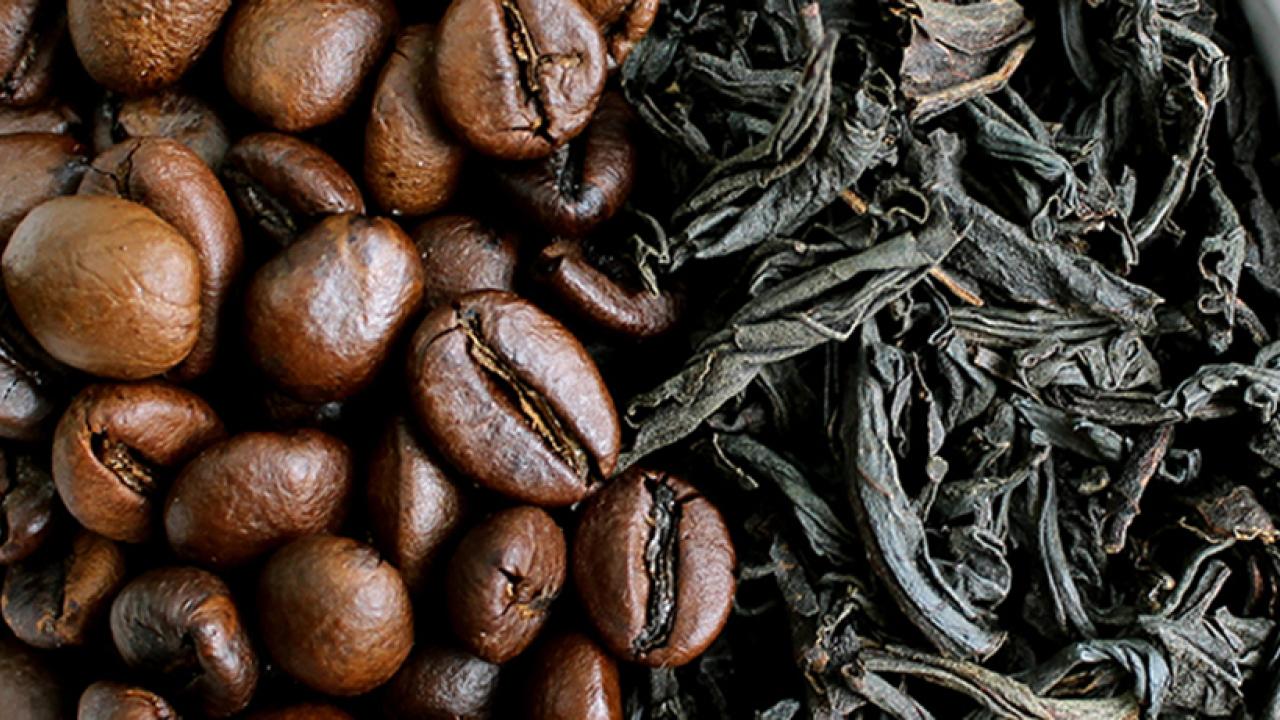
(442, 683)
(27, 505)
(461, 254)
(173, 114)
(55, 598)
(502, 580)
(511, 399)
(519, 78)
(593, 294)
(623, 22)
(116, 701)
(35, 167)
(114, 450)
(180, 626)
(30, 33)
(573, 678)
(653, 564)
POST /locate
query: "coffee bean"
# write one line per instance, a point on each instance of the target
(26, 505)
(35, 167)
(412, 163)
(653, 564)
(442, 683)
(334, 615)
(50, 116)
(180, 626)
(29, 689)
(254, 492)
(172, 113)
(573, 678)
(115, 701)
(35, 384)
(460, 254)
(105, 286)
(298, 64)
(502, 580)
(115, 446)
(55, 597)
(591, 293)
(623, 22)
(519, 78)
(512, 399)
(321, 317)
(308, 711)
(30, 33)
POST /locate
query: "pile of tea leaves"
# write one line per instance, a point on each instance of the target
(981, 359)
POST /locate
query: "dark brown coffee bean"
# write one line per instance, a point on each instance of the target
(502, 581)
(414, 506)
(513, 400)
(115, 446)
(173, 182)
(412, 163)
(298, 64)
(254, 492)
(172, 114)
(136, 49)
(573, 678)
(180, 626)
(321, 317)
(28, 687)
(653, 564)
(114, 701)
(283, 185)
(26, 505)
(308, 711)
(441, 683)
(30, 33)
(33, 168)
(53, 598)
(583, 183)
(460, 254)
(623, 22)
(51, 116)
(594, 295)
(105, 286)
(334, 615)
(519, 78)
(35, 383)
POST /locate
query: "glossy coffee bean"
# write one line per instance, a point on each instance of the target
(308, 711)
(511, 399)
(502, 580)
(593, 294)
(581, 184)
(27, 502)
(653, 564)
(573, 678)
(412, 163)
(283, 185)
(115, 448)
(174, 183)
(29, 689)
(254, 492)
(298, 64)
(30, 33)
(334, 615)
(321, 316)
(35, 383)
(49, 116)
(442, 683)
(105, 286)
(414, 506)
(136, 49)
(55, 597)
(179, 627)
(519, 78)
(115, 701)
(35, 167)
(460, 254)
(623, 22)
(172, 114)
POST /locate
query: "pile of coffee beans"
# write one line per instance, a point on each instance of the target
(306, 320)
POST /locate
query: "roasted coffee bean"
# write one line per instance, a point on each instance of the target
(171, 113)
(512, 399)
(594, 295)
(51, 116)
(174, 183)
(321, 316)
(460, 254)
(518, 78)
(180, 626)
(26, 505)
(54, 598)
(653, 564)
(114, 450)
(414, 506)
(298, 64)
(308, 711)
(30, 33)
(573, 678)
(583, 183)
(442, 683)
(502, 580)
(412, 163)
(28, 402)
(35, 167)
(623, 22)
(105, 286)
(114, 701)
(334, 615)
(29, 690)
(254, 492)
(136, 49)
(283, 185)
